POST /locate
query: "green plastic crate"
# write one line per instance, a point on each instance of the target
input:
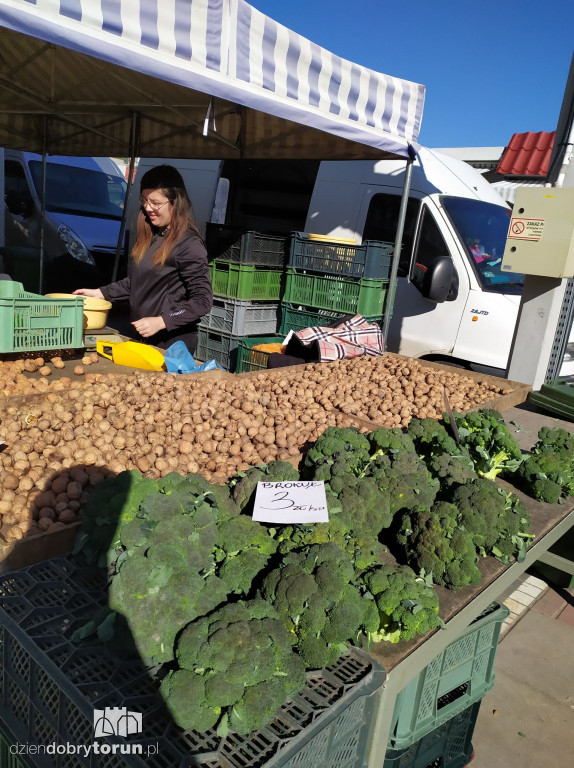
(556, 396)
(245, 281)
(448, 746)
(33, 323)
(296, 318)
(249, 359)
(347, 295)
(458, 677)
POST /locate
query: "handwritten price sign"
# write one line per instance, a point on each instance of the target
(291, 502)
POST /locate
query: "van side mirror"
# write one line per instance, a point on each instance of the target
(437, 283)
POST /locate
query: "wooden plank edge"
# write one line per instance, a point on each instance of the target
(39, 547)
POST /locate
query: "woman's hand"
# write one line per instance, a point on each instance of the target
(149, 326)
(93, 293)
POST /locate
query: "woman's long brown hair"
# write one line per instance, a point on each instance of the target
(167, 180)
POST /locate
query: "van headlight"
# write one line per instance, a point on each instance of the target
(74, 245)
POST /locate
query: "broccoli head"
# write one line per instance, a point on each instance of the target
(437, 544)
(491, 446)
(336, 440)
(492, 517)
(312, 592)
(406, 480)
(447, 461)
(242, 655)
(547, 474)
(407, 605)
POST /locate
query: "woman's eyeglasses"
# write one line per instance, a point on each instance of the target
(153, 204)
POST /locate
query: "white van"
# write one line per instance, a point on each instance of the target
(453, 303)
(84, 205)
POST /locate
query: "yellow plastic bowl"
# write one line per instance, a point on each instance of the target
(95, 310)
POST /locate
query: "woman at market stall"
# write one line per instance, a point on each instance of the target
(168, 285)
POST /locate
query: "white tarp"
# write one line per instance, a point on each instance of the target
(77, 73)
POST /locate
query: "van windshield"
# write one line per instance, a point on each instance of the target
(482, 228)
(80, 191)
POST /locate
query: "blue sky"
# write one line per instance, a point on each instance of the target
(491, 68)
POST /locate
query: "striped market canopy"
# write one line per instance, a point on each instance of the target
(189, 78)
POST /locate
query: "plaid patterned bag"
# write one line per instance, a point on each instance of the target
(352, 338)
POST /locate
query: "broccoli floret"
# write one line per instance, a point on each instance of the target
(112, 504)
(280, 471)
(258, 706)
(451, 470)
(183, 556)
(184, 694)
(244, 485)
(335, 440)
(447, 461)
(384, 441)
(491, 446)
(242, 654)
(431, 437)
(312, 592)
(438, 544)
(316, 652)
(345, 618)
(548, 473)
(157, 600)
(356, 518)
(557, 438)
(492, 516)
(535, 477)
(407, 605)
(338, 452)
(406, 479)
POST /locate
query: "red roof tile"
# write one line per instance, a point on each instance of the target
(527, 154)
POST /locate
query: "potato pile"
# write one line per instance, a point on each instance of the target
(61, 445)
(13, 379)
(390, 390)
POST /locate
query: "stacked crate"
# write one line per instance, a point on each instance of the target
(266, 285)
(246, 270)
(326, 279)
(435, 714)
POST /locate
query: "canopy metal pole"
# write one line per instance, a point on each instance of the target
(42, 209)
(134, 146)
(397, 249)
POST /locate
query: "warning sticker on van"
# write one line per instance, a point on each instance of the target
(525, 229)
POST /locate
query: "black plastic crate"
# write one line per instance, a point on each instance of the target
(448, 746)
(7, 757)
(49, 689)
(239, 247)
(369, 261)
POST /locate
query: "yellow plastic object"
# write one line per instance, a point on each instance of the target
(329, 239)
(95, 310)
(269, 347)
(132, 354)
